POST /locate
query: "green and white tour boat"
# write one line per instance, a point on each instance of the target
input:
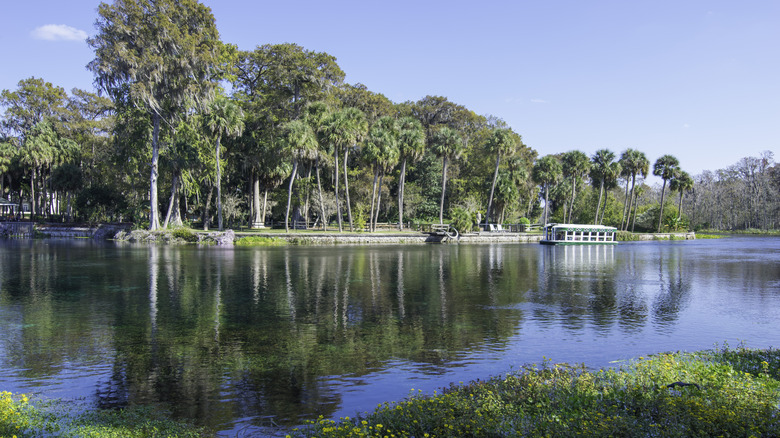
(578, 234)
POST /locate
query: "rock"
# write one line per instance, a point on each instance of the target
(222, 238)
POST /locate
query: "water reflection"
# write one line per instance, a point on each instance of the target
(292, 333)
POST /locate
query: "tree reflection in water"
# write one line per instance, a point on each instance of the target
(228, 335)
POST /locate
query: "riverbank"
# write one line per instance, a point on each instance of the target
(254, 238)
(721, 392)
(711, 393)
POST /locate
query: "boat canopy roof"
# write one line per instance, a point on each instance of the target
(581, 227)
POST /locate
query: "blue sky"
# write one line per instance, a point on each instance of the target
(696, 79)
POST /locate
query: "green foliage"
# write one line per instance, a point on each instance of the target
(260, 241)
(100, 204)
(720, 393)
(185, 234)
(462, 219)
(626, 236)
(360, 218)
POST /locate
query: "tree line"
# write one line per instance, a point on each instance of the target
(244, 138)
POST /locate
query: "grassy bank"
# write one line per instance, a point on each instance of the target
(717, 393)
(722, 392)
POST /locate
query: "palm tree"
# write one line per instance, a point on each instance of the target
(575, 165)
(501, 142)
(299, 143)
(411, 145)
(315, 116)
(611, 175)
(601, 161)
(634, 162)
(546, 172)
(344, 130)
(355, 132)
(37, 152)
(381, 150)
(448, 145)
(8, 153)
(682, 182)
(666, 167)
(224, 118)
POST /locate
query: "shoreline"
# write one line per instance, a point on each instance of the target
(123, 232)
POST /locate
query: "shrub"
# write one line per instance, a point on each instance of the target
(185, 234)
(462, 219)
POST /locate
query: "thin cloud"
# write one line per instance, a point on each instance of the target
(538, 101)
(58, 32)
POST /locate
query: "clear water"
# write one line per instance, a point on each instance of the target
(245, 338)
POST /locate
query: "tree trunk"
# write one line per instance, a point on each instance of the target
(219, 186)
(289, 196)
(265, 203)
(630, 200)
(573, 194)
(492, 190)
(346, 190)
(625, 206)
(154, 215)
(174, 189)
(661, 215)
(401, 182)
(32, 193)
(546, 203)
(636, 204)
(373, 197)
(336, 185)
(443, 189)
(598, 206)
(679, 205)
(306, 202)
(206, 208)
(256, 219)
(378, 199)
(324, 216)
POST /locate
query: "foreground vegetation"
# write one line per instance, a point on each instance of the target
(20, 418)
(727, 392)
(723, 392)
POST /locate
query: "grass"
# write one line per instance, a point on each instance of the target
(260, 241)
(709, 236)
(723, 393)
(720, 392)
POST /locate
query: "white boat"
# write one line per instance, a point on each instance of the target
(578, 234)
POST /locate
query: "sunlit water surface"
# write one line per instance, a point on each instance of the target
(243, 339)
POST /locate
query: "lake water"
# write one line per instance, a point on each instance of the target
(244, 338)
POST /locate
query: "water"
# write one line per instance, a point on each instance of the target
(243, 339)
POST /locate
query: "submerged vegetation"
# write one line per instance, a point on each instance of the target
(21, 418)
(725, 392)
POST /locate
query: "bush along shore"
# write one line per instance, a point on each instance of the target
(720, 392)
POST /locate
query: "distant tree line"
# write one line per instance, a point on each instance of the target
(164, 144)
